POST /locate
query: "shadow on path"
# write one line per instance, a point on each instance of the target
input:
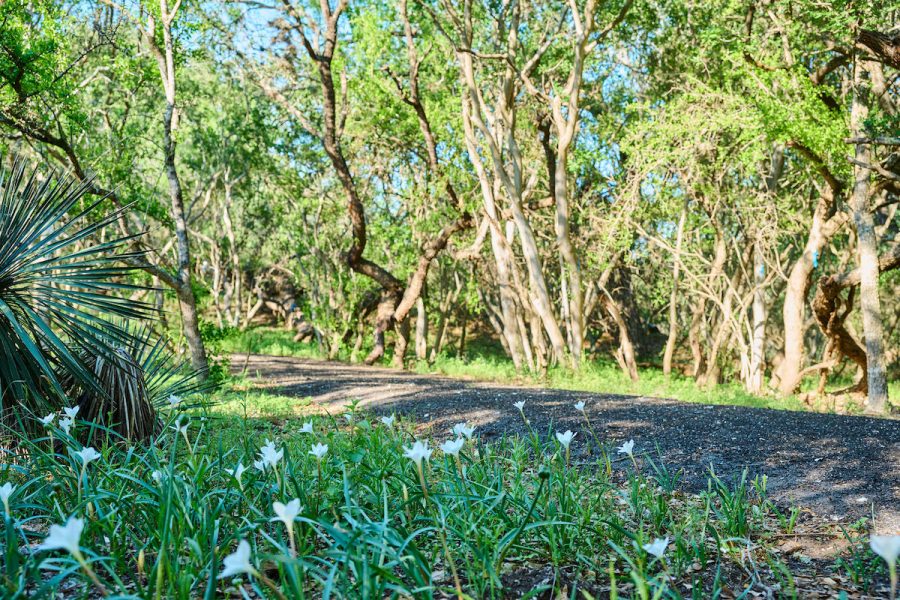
(841, 467)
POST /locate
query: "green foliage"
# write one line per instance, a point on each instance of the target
(858, 563)
(59, 286)
(160, 520)
(33, 38)
(214, 339)
(269, 341)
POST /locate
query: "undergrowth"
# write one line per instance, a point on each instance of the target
(376, 513)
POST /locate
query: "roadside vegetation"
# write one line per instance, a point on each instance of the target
(219, 503)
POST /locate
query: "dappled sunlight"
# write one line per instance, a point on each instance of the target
(434, 299)
(823, 462)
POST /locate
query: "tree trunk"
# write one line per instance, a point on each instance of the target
(401, 343)
(540, 295)
(673, 298)
(438, 343)
(827, 304)
(508, 321)
(700, 364)
(758, 341)
(421, 330)
(571, 269)
(445, 306)
(185, 291)
(462, 335)
(236, 275)
(499, 246)
(358, 342)
(759, 310)
(793, 310)
(384, 320)
(710, 377)
(697, 360)
(625, 354)
(825, 223)
(867, 243)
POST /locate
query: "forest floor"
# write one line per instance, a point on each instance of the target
(837, 469)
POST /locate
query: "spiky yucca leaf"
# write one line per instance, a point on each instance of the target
(59, 286)
(123, 404)
(139, 379)
(165, 373)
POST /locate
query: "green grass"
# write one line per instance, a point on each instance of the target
(159, 520)
(242, 401)
(271, 341)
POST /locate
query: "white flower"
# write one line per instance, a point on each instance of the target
(46, 421)
(520, 405)
(6, 491)
(269, 457)
(565, 438)
(237, 562)
(417, 452)
(87, 455)
(174, 401)
(348, 417)
(388, 421)
(307, 427)
(579, 406)
(181, 426)
(658, 547)
(886, 546)
(452, 447)
(64, 537)
(319, 451)
(627, 448)
(259, 465)
(238, 471)
(71, 412)
(463, 430)
(157, 476)
(66, 424)
(287, 512)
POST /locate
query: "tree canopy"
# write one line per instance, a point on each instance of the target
(709, 188)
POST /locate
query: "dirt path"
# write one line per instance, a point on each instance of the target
(840, 467)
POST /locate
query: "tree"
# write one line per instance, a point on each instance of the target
(164, 54)
(44, 53)
(316, 38)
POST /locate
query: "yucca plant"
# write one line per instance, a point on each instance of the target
(122, 403)
(165, 373)
(60, 289)
(142, 376)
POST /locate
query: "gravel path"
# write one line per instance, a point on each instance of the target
(839, 467)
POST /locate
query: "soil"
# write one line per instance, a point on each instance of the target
(837, 468)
